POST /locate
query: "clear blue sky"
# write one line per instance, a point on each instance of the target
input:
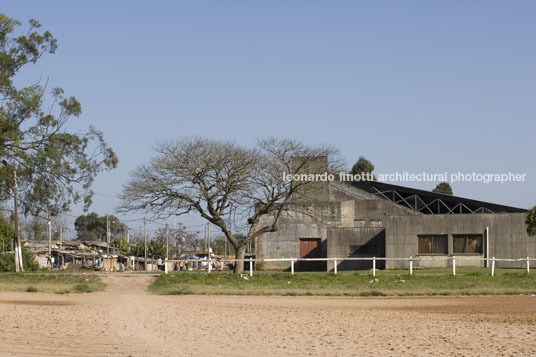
(412, 85)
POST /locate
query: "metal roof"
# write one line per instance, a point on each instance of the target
(428, 202)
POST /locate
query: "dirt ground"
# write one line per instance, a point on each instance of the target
(126, 321)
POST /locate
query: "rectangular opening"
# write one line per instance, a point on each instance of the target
(310, 248)
(468, 243)
(433, 244)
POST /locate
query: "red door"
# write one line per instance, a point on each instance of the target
(310, 248)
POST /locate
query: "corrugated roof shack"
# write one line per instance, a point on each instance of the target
(69, 254)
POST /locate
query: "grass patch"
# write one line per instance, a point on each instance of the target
(51, 282)
(468, 281)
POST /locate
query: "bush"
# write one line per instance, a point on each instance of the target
(83, 288)
(7, 261)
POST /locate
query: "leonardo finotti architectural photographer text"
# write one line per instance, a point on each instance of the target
(409, 177)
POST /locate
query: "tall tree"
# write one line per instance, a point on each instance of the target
(54, 167)
(444, 188)
(222, 182)
(93, 227)
(6, 235)
(121, 244)
(181, 240)
(531, 222)
(363, 166)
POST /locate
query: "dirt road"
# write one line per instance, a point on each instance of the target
(126, 321)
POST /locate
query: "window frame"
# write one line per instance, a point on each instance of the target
(433, 238)
(466, 237)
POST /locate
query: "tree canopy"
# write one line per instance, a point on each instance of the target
(363, 166)
(6, 234)
(444, 188)
(54, 167)
(224, 183)
(531, 222)
(93, 227)
(121, 244)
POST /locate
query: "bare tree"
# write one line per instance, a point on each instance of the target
(232, 187)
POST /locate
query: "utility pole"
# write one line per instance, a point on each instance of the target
(175, 235)
(208, 238)
(17, 246)
(50, 241)
(145, 239)
(167, 243)
(107, 237)
(62, 263)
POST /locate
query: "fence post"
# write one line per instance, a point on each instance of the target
(454, 266)
(528, 265)
(165, 266)
(493, 266)
(209, 267)
(335, 266)
(411, 265)
(291, 266)
(250, 266)
(373, 266)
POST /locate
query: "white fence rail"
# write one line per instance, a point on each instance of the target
(335, 261)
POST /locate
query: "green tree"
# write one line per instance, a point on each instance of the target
(121, 244)
(444, 188)
(50, 161)
(218, 245)
(156, 249)
(531, 222)
(363, 166)
(6, 234)
(93, 227)
(137, 248)
(7, 260)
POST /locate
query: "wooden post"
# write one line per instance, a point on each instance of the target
(373, 266)
(165, 266)
(292, 266)
(454, 266)
(410, 265)
(335, 266)
(528, 265)
(250, 266)
(209, 267)
(493, 266)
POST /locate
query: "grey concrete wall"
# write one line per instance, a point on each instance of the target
(348, 220)
(507, 236)
(311, 191)
(341, 240)
(284, 243)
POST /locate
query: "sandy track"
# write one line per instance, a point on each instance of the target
(126, 321)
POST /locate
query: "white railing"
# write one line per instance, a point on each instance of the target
(335, 261)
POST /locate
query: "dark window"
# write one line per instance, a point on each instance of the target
(433, 244)
(467, 243)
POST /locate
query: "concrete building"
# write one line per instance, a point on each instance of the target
(374, 219)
